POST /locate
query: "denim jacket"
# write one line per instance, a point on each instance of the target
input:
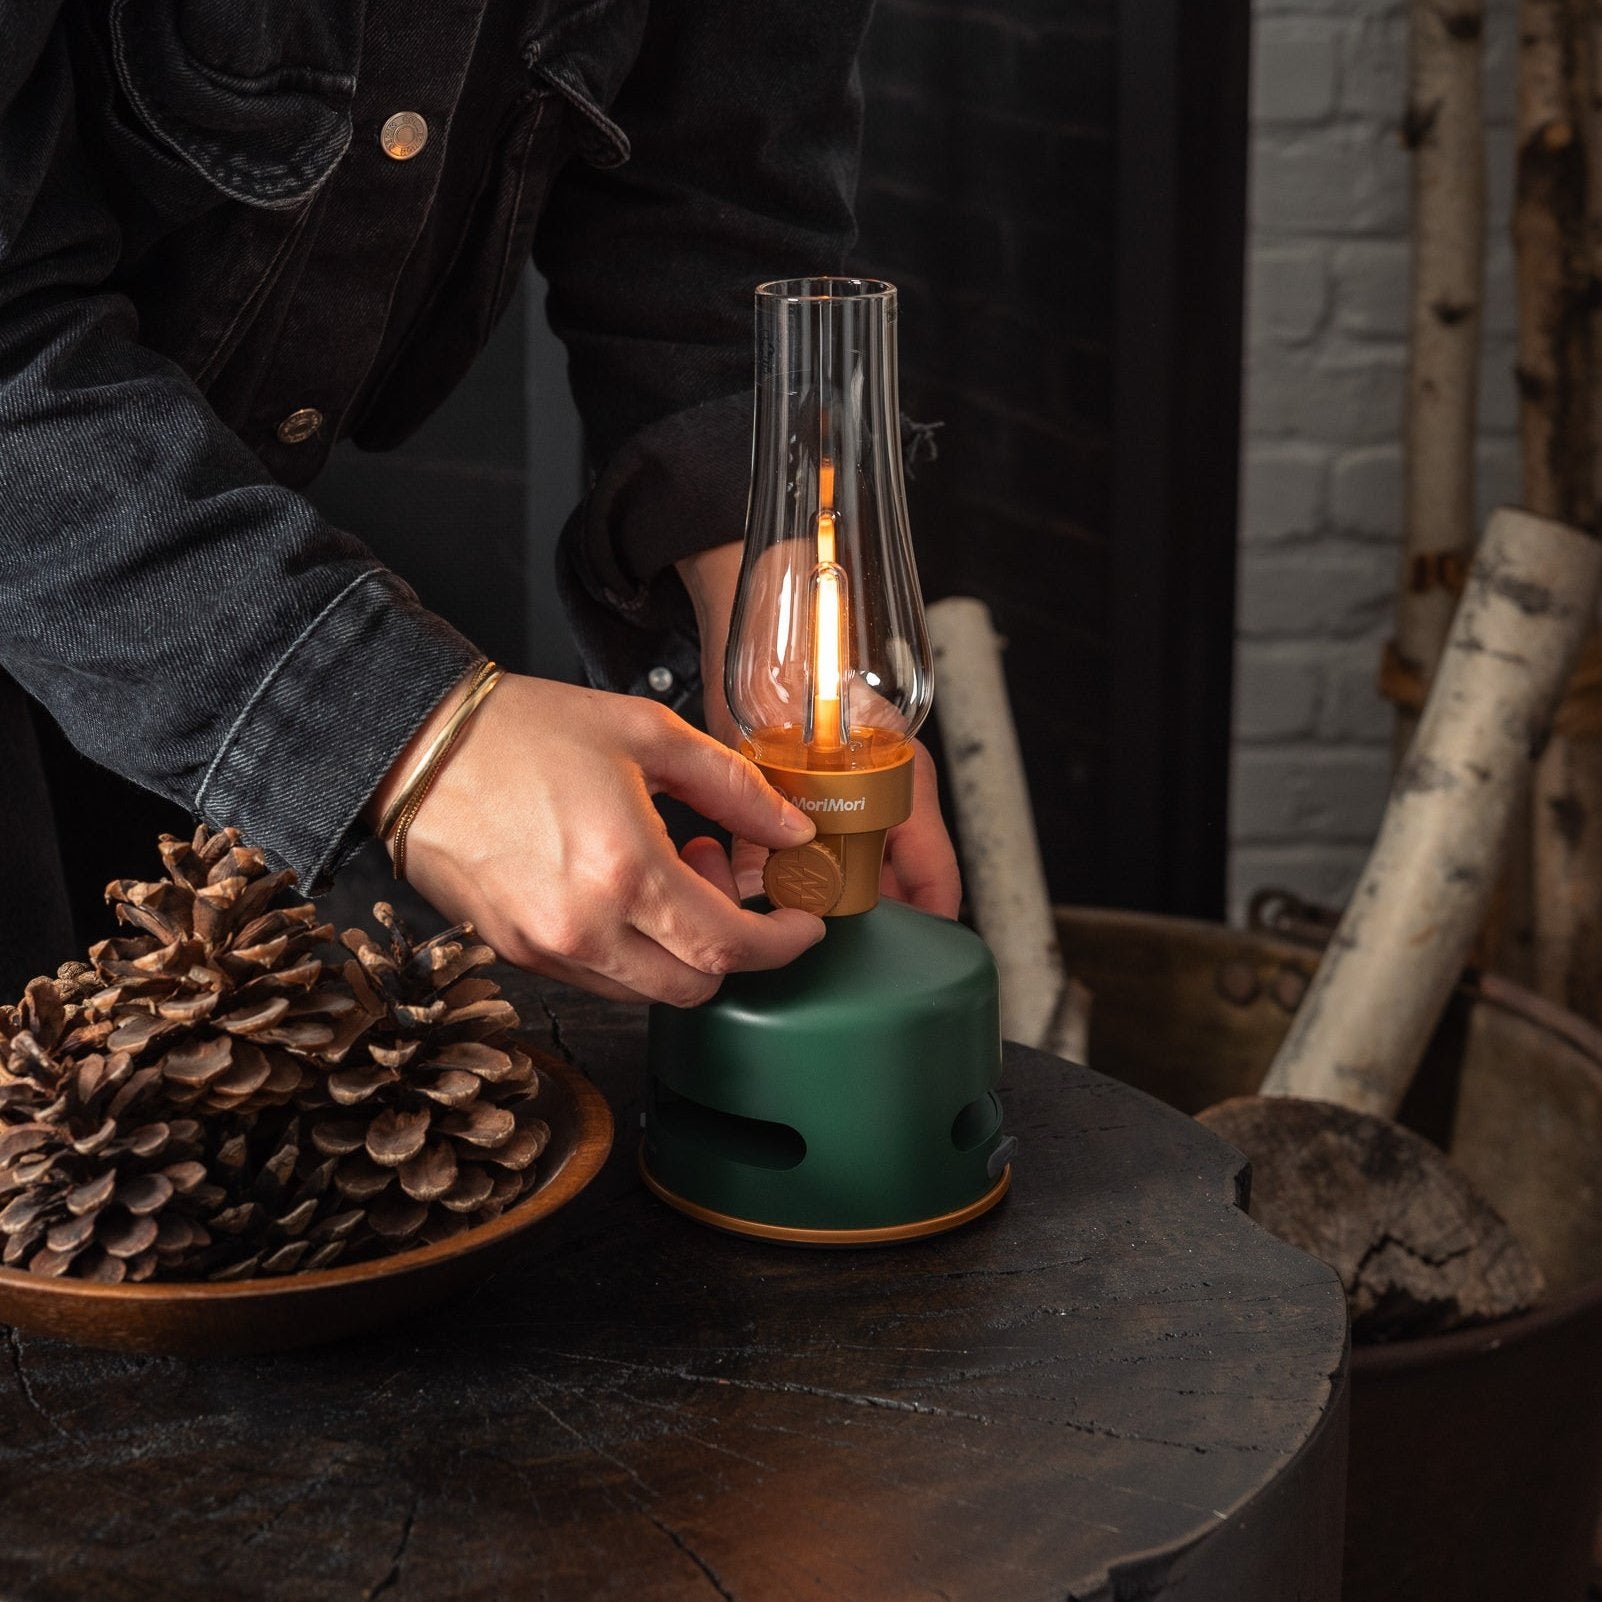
(210, 269)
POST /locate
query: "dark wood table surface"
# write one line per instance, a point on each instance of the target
(1115, 1386)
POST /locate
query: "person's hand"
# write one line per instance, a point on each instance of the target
(920, 863)
(539, 829)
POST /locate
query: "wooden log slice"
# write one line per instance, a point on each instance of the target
(1418, 1249)
(1114, 1385)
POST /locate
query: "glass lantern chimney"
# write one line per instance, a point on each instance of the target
(828, 665)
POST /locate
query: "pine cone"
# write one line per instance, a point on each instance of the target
(84, 1165)
(437, 1130)
(282, 1213)
(222, 987)
(100, 1185)
(52, 1012)
(207, 1098)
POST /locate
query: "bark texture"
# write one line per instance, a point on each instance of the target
(1556, 227)
(1430, 878)
(1418, 1249)
(1548, 213)
(1444, 129)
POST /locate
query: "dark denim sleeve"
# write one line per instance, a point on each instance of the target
(745, 126)
(190, 623)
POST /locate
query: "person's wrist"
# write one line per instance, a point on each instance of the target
(396, 824)
(404, 765)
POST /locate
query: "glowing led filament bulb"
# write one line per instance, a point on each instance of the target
(826, 733)
(824, 730)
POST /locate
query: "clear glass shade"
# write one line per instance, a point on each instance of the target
(828, 664)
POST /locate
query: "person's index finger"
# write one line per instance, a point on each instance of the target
(729, 789)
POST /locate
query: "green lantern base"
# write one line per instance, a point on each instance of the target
(847, 1099)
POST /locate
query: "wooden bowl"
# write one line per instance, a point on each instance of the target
(187, 1319)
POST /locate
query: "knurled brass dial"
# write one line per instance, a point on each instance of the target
(805, 876)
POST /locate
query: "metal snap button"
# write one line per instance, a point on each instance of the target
(403, 135)
(660, 679)
(300, 426)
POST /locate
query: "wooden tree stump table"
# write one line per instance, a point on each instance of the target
(1114, 1386)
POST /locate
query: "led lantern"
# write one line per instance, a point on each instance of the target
(850, 1097)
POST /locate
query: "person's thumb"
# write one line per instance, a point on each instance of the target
(725, 787)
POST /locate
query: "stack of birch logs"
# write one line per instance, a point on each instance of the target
(1494, 825)
(1494, 669)
(1546, 929)
(1417, 1250)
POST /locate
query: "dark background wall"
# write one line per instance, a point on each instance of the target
(989, 190)
(1057, 186)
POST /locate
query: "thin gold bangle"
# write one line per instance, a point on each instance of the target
(398, 805)
(475, 699)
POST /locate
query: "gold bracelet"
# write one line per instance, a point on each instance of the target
(398, 805)
(473, 700)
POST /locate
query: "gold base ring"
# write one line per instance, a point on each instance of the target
(792, 1235)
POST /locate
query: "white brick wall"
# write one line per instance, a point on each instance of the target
(1321, 487)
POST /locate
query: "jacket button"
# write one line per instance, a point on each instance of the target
(660, 679)
(403, 135)
(299, 426)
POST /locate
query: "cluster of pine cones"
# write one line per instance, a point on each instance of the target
(216, 1095)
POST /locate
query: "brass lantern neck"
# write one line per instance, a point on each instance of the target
(836, 874)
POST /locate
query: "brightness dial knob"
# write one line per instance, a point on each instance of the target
(806, 876)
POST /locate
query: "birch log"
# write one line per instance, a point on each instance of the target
(1548, 207)
(1566, 803)
(1006, 879)
(1555, 214)
(1586, 93)
(1445, 131)
(1399, 950)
